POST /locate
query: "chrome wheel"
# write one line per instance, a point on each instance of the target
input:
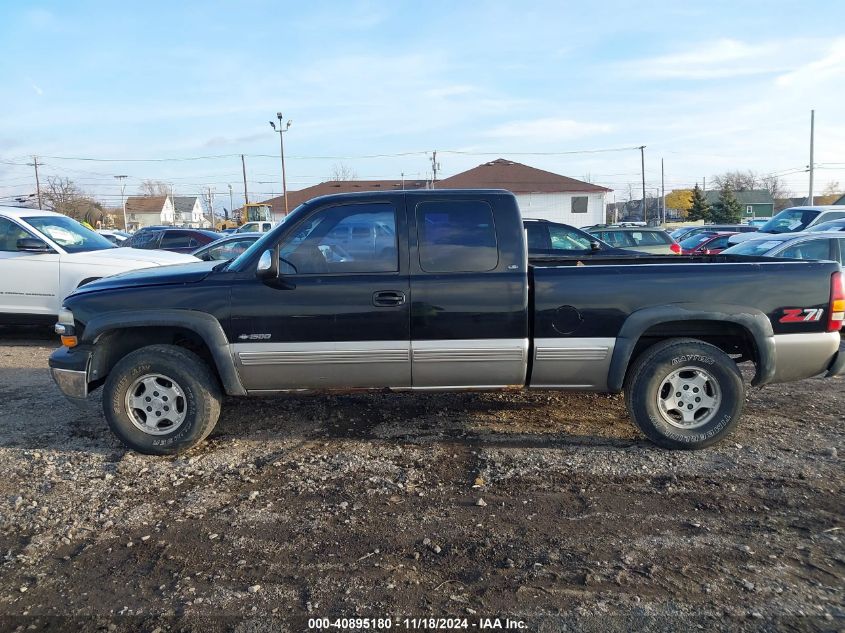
(156, 404)
(689, 397)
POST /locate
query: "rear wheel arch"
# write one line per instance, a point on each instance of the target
(733, 329)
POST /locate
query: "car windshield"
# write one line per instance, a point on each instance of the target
(267, 240)
(833, 225)
(753, 247)
(789, 221)
(69, 234)
(696, 240)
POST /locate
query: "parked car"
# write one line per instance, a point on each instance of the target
(757, 222)
(643, 239)
(227, 247)
(44, 256)
(550, 239)
(805, 245)
(705, 243)
(795, 220)
(115, 237)
(460, 308)
(172, 239)
(824, 227)
(255, 227)
(682, 233)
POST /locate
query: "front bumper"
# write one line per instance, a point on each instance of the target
(837, 365)
(69, 369)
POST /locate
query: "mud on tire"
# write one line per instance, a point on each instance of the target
(161, 400)
(684, 394)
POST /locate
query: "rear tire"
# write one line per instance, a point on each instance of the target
(161, 400)
(684, 394)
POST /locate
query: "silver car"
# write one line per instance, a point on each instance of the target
(805, 245)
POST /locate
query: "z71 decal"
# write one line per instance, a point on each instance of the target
(801, 315)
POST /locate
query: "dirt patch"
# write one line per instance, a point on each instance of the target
(370, 506)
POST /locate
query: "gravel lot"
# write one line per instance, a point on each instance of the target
(543, 507)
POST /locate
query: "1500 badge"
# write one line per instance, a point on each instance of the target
(801, 315)
(255, 337)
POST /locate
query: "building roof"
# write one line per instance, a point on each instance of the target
(184, 204)
(517, 178)
(145, 204)
(751, 196)
(840, 201)
(295, 198)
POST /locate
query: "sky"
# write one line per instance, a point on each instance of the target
(377, 86)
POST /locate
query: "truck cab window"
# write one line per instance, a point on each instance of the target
(351, 238)
(456, 236)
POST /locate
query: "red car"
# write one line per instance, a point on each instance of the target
(175, 240)
(705, 243)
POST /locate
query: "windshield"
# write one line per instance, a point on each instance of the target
(695, 240)
(753, 247)
(268, 240)
(69, 234)
(790, 221)
(833, 225)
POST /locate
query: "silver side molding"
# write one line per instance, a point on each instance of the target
(572, 363)
(469, 363)
(800, 356)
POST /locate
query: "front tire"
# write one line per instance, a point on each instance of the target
(161, 400)
(684, 394)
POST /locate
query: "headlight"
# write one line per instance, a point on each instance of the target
(65, 328)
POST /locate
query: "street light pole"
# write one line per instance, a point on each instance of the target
(122, 179)
(231, 204)
(281, 130)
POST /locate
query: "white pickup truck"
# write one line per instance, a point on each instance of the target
(44, 256)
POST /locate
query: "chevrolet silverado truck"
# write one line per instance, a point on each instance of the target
(433, 290)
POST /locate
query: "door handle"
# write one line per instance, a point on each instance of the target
(388, 298)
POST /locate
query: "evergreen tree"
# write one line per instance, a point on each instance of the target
(699, 207)
(727, 210)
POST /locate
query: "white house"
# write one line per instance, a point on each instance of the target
(188, 211)
(541, 194)
(144, 211)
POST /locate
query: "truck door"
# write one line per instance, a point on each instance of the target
(333, 319)
(469, 293)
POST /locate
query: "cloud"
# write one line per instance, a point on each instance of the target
(35, 88)
(829, 69)
(718, 59)
(548, 129)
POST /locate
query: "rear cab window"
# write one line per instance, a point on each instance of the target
(456, 236)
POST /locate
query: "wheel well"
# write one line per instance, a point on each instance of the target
(732, 338)
(113, 345)
(87, 281)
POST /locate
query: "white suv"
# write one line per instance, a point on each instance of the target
(44, 256)
(255, 227)
(793, 220)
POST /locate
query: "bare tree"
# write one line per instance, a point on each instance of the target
(150, 188)
(775, 186)
(832, 189)
(737, 180)
(342, 171)
(63, 196)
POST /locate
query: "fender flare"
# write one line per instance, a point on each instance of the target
(751, 319)
(204, 325)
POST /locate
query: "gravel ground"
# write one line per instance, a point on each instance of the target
(545, 508)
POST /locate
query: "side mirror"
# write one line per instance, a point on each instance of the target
(33, 245)
(595, 246)
(268, 264)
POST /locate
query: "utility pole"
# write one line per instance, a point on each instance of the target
(663, 190)
(812, 132)
(435, 166)
(122, 179)
(34, 163)
(243, 166)
(704, 184)
(231, 204)
(642, 166)
(281, 130)
(211, 205)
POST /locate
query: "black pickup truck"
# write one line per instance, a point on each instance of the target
(436, 293)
